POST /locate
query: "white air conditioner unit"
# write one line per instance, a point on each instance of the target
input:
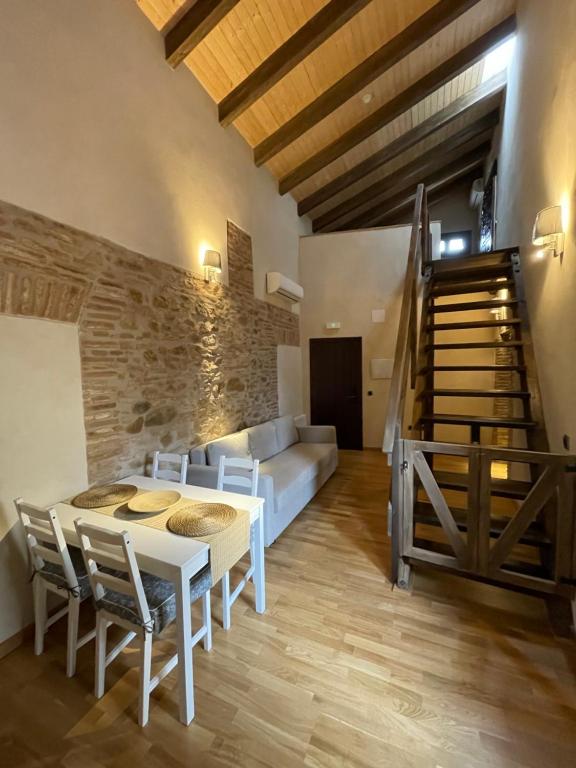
(283, 286)
(477, 193)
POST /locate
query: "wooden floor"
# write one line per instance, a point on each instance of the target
(342, 671)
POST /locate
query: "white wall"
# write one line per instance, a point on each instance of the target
(346, 275)
(290, 399)
(537, 168)
(98, 132)
(42, 442)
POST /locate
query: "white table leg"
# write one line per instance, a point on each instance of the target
(259, 578)
(185, 672)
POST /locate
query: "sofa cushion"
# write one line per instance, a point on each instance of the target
(297, 465)
(235, 446)
(263, 442)
(286, 432)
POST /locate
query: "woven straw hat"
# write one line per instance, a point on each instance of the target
(104, 496)
(201, 519)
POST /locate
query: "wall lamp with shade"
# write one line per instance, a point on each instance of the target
(548, 230)
(212, 265)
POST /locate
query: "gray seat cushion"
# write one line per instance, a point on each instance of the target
(263, 441)
(286, 432)
(55, 573)
(297, 465)
(161, 598)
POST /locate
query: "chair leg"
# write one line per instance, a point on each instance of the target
(207, 616)
(145, 672)
(100, 660)
(72, 644)
(40, 607)
(226, 600)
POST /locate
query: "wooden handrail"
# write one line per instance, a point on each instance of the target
(405, 355)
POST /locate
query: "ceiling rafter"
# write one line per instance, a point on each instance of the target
(418, 91)
(444, 189)
(458, 144)
(193, 27)
(422, 29)
(404, 191)
(402, 213)
(316, 30)
(444, 117)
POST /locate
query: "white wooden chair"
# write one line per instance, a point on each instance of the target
(59, 569)
(170, 473)
(139, 602)
(244, 473)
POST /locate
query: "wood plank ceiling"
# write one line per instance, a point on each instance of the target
(349, 103)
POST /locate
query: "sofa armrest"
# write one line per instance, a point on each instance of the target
(317, 434)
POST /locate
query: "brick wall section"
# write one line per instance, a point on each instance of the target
(167, 359)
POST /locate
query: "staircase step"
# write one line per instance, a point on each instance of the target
(475, 286)
(467, 306)
(509, 489)
(472, 325)
(471, 271)
(483, 257)
(496, 368)
(425, 515)
(475, 393)
(479, 421)
(477, 345)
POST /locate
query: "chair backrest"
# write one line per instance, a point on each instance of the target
(102, 548)
(238, 472)
(45, 540)
(177, 466)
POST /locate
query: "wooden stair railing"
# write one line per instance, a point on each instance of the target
(505, 516)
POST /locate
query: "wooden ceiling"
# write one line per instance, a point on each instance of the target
(347, 102)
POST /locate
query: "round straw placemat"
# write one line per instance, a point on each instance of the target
(201, 519)
(104, 496)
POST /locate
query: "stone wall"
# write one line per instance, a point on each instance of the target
(167, 359)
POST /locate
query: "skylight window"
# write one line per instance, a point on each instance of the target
(498, 59)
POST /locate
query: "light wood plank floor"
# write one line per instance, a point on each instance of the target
(342, 671)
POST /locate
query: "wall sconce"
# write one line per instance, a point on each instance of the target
(548, 230)
(212, 266)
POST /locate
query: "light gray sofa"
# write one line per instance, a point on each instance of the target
(295, 462)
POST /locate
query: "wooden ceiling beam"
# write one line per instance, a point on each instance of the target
(405, 191)
(451, 149)
(403, 213)
(317, 30)
(422, 29)
(418, 91)
(458, 108)
(193, 27)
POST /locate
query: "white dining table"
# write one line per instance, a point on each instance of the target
(177, 559)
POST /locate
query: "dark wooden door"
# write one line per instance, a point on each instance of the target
(336, 387)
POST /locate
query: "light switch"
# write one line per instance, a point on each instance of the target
(378, 315)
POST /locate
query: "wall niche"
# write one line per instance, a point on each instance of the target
(167, 360)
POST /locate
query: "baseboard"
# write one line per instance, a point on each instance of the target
(11, 643)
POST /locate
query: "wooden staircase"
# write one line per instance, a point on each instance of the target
(475, 489)
(452, 287)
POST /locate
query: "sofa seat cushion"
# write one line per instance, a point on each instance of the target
(286, 432)
(297, 465)
(234, 446)
(263, 442)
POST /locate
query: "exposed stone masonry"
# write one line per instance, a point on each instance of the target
(167, 359)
